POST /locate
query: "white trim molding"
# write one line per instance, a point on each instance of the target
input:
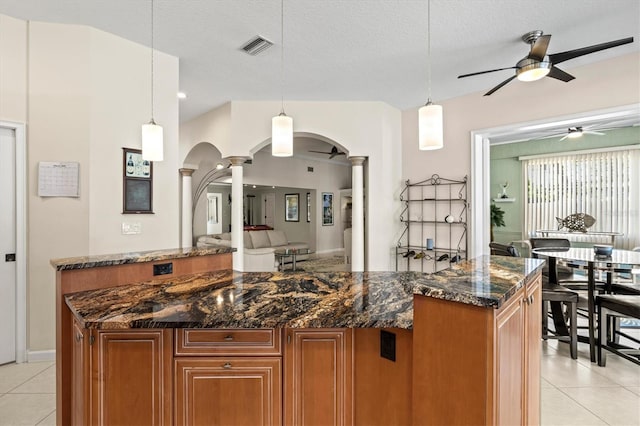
(21, 237)
(41, 356)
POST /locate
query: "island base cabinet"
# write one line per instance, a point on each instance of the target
(131, 380)
(228, 391)
(483, 363)
(318, 377)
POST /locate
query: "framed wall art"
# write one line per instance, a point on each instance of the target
(327, 208)
(308, 207)
(292, 207)
(137, 183)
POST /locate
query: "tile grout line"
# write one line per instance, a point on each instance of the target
(30, 378)
(586, 408)
(42, 419)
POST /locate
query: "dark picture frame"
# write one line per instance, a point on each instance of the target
(327, 209)
(308, 207)
(292, 207)
(137, 183)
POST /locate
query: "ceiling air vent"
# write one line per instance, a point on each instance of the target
(256, 45)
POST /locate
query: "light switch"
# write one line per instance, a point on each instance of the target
(131, 228)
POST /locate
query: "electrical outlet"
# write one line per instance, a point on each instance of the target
(131, 228)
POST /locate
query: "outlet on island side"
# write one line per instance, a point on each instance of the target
(388, 345)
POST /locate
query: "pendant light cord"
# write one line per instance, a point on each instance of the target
(428, 51)
(282, 56)
(152, 60)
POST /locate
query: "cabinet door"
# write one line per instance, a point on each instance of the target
(318, 379)
(533, 351)
(131, 380)
(80, 376)
(510, 361)
(228, 391)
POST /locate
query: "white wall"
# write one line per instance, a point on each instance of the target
(370, 129)
(87, 95)
(599, 85)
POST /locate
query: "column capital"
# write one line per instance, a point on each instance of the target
(357, 161)
(237, 161)
(186, 172)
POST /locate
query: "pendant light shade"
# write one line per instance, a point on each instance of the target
(152, 136)
(281, 124)
(430, 124)
(430, 134)
(282, 135)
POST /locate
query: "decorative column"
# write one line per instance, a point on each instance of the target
(357, 203)
(186, 239)
(237, 222)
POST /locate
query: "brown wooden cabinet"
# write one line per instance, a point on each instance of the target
(81, 376)
(131, 380)
(477, 365)
(318, 377)
(228, 391)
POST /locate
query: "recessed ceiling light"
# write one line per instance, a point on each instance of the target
(182, 95)
(253, 186)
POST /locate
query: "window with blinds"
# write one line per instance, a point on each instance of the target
(602, 183)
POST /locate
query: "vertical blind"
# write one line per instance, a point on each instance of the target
(605, 185)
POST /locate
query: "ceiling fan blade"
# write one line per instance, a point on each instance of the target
(591, 132)
(499, 85)
(539, 48)
(485, 72)
(558, 74)
(320, 152)
(557, 58)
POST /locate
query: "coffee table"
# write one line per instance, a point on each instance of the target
(283, 254)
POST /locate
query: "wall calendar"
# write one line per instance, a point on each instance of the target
(58, 179)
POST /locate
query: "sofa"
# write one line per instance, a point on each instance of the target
(259, 247)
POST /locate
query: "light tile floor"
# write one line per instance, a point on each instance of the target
(574, 392)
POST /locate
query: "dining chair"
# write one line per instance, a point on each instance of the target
(557, 296)
(609, 308)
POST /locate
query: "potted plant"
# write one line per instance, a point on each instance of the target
(497, 218)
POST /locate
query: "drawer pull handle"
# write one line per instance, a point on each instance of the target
(79, 337)
(227, 365)
(228, 338)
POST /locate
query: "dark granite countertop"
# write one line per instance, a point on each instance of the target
(85, 262)
(230, 299)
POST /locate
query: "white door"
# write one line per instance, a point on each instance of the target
(269, 209)
(7, 246)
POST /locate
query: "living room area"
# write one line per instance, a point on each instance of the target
(305, 210)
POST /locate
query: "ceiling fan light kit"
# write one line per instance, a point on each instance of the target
(537, 64)
(532, 70)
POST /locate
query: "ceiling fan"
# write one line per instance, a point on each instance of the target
(537, 64)
(578, 131)
(334, 152)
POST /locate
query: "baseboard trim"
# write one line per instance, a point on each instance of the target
(40, 356)
(338, 250)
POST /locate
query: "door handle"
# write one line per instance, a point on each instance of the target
(10, 257)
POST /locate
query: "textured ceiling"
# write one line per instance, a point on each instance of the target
(341, 50)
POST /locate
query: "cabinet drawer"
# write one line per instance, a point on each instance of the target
(204, 342)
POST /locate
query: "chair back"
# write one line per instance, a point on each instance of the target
(503, 250)
(560, 243)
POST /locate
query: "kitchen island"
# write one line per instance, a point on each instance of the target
(223, 347)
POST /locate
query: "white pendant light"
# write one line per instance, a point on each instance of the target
(282, 125)
(430, 123)
(152, 134)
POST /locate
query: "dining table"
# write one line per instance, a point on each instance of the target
(620, 261)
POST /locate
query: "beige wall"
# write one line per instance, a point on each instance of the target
(597, 86)
(13, 69)
(83, 95)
